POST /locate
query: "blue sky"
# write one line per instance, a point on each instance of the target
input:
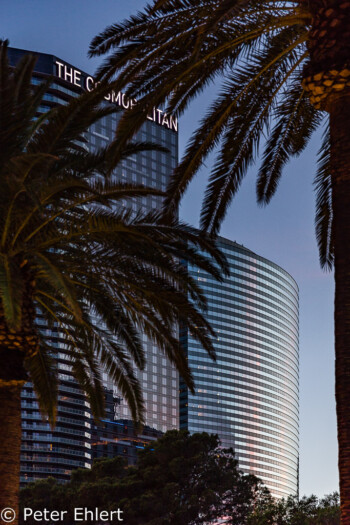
(283, 231)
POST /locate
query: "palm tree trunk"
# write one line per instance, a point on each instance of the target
(12, 378)
(10, 428)
(15, 348)
(340, 159)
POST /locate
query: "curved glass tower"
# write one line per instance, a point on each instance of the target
(250, 395)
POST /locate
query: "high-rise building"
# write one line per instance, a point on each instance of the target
(249, 396)
(56, 453)
(119, 437)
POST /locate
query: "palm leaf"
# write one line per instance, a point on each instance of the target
(169, 52)
(324, 210)
(42, 368)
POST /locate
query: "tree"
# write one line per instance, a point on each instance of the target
(307, 511)
(178, 480)
(71, 258)
(285, 71)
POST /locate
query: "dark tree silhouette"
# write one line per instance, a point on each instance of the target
(180, 479)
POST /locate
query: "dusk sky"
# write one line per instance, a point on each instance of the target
(282, 232)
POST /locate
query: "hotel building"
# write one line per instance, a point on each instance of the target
(250, 395)
(55, 453)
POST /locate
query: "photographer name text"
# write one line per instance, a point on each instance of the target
(79, 514)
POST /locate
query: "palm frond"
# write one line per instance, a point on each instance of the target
(169, 52)
(42, 368)
(297, 120)
(324, 210)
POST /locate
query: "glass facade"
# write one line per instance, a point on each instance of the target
(56, 453)
(250, 395)
(119, 437)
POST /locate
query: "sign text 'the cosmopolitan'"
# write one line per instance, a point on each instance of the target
(75, 76)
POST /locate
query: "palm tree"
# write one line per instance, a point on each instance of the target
(284, 68)
(73, 259)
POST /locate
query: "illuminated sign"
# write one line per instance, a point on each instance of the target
(76, 77)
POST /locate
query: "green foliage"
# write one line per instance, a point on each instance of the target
(178, 480)
(257, 50)
(89, 269)
(307, 511)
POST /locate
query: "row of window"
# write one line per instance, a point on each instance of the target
(218, 410)
(254, 272)
(217, 383)
(225, 364)
(263, 449)
(271, 295)
(233, 424)
(270, 458)
(242, 323)
(253, 341)
(251, 259)
(262, 406)
(243, 340)
(229, 438)
(262, 395)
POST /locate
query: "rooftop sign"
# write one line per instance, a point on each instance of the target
(78, 78)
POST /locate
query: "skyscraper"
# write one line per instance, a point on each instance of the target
(56, 453)
(250, 395)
